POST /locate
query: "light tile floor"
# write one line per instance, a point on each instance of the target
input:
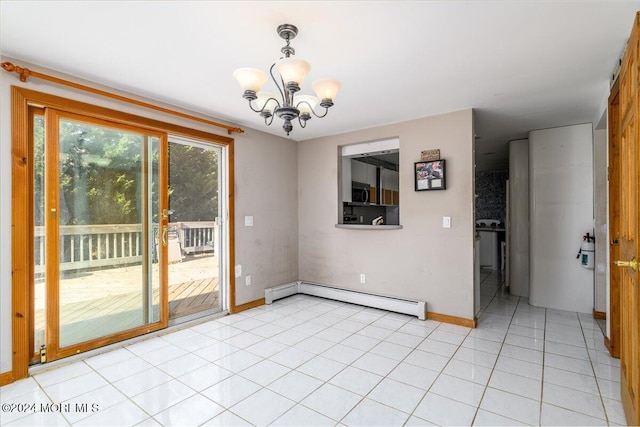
(310, 361)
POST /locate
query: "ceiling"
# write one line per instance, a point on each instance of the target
(521, 65)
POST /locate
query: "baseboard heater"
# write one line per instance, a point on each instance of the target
(398, 305)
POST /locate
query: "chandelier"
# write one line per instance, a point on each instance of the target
(292, 71)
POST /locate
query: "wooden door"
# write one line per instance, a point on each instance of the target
(629, 248)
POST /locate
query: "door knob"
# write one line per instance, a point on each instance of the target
(633, 264)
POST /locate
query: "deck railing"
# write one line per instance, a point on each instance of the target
(112, 245)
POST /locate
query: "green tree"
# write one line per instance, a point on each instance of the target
(193, 183)
(101, 176)
(101, 179)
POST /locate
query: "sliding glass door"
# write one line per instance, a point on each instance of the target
(100, 232)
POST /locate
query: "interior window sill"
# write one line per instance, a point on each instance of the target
(369, 227)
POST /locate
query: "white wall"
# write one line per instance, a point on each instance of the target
(561, 212)
(265, 187)
(422, 260)
(519, 217)
(601, 200)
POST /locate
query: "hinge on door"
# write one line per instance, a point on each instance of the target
(43, 354)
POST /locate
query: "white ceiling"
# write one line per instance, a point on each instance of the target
(522, 65)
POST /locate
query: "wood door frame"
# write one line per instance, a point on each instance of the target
(32, 113)
(612, 342)
(22, 216)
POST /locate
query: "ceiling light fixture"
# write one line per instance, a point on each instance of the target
(292, 71)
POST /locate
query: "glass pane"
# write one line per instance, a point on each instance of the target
(38, 235)
(107, 205)
(194, 235)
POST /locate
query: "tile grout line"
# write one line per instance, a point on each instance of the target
(475, 415)
(595, 377)
(544, 356)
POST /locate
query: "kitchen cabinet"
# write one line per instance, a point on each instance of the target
(389, 180)
(371, 173)
(346, 180)
(489, 256)
(363, 172)
(358, 172)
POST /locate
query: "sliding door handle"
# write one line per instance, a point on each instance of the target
(165, 232)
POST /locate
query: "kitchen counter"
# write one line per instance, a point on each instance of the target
(369, 227)
(489, 229)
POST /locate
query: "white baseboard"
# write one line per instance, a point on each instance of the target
(398, 305)
(278, 292)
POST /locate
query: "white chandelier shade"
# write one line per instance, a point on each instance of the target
(293, 70)
(267, 101)
(326, 88)
(250, 78)
(306, 103)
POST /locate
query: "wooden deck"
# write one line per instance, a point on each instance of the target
(107, 301)
(191, 297)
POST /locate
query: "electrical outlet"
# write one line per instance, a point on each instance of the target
(363, 278)
(247, 280)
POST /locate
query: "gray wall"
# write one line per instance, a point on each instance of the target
(561, 212)
(422, 260)
(519, 217)
(265, 187)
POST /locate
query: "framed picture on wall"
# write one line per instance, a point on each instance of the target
(430, 175)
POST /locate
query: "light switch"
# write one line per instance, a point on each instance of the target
(446, 222)
(248, 221)
(238, 270)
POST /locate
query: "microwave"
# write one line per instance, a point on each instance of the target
(360, 192)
